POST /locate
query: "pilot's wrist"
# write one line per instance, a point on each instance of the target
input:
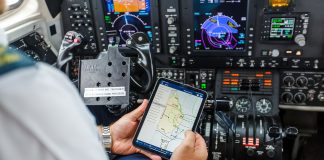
(106, 136)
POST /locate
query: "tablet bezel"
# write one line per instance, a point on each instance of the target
(158, 83)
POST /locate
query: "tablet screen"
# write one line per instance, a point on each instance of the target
(174, 110)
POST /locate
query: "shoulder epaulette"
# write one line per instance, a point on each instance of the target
(12, 60)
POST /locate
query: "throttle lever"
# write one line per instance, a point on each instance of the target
(140, 42)
(70, 40)
(291, 132)
(223, 105)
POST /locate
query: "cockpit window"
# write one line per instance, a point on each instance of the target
(13, 3)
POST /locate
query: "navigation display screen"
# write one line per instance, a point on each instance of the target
(123, 18)
(282, 28)
(220, 24)
(174, 110)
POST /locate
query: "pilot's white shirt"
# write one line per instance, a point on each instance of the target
(42, 117)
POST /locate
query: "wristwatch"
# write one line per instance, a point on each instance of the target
(106, 138)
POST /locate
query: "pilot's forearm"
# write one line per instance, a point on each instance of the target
(100, 128)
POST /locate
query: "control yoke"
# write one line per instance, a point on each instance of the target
(140, 43)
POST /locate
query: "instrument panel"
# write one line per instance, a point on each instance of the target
(124, 18)
(34, 46)
(253, 92)
(302, 88)
(209, 34)
(262, 56)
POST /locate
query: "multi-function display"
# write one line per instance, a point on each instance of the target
(123, 18)
(282, 28)
(220, 25)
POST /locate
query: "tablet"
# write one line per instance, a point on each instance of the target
(173, 109)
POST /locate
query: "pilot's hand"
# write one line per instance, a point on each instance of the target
(123, 131)
(193, 147)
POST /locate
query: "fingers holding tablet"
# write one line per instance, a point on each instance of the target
(193, 147)
(189, 141)
(138, 112)
(200, 147)
(123, 130)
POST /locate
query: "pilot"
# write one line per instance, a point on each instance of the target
(42, 117)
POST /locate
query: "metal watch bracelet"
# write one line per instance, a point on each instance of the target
(106, 138)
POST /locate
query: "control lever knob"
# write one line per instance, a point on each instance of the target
(300, 39)
(262, 65)
(224, 104)
(292, 131)
(241, 62)
(274, 132)
(252, 63)
(173, 49)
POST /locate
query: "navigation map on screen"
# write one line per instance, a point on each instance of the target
(173, 111)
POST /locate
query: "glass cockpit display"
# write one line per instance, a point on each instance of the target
(123, 18)
(220, 25)
(282, 28)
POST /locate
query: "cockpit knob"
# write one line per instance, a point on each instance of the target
(300, 39)
(171, 20)
(287, 97)
(275, 53)
(300, 98)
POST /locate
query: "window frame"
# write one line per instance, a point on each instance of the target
(15, 5)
